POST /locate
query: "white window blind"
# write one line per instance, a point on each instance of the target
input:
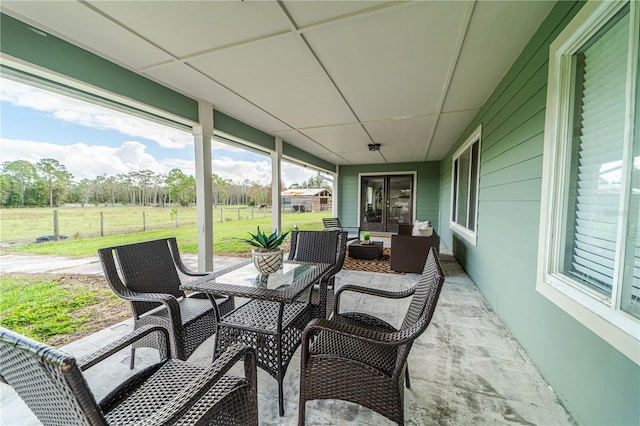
(595, 182)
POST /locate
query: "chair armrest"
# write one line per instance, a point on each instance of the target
(182, 402)
(370, 291)
(105, 352)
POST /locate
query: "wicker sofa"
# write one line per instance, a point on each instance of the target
(408, 252)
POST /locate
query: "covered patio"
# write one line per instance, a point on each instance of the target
(463, 99)
(465, 369)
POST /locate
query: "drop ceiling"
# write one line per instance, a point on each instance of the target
(329, 77)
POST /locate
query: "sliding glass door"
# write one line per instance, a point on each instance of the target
(385, 202)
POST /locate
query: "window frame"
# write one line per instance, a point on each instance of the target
(469, 235)
(599, 313)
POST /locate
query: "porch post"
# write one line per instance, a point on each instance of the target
(276, 196)
(334, 194)
(202, 141)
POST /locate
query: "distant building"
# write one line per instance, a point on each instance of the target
(307, 200)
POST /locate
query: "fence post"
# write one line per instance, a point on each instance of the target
(238, 213)
(101, 224)
(144, 221)
(177, 219)
(56, 229)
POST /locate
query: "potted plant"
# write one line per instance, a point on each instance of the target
(367, 237)
(267, 256)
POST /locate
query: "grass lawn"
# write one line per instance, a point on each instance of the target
(57, 309)
(225, 236)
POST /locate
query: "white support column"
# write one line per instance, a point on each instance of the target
(334, 195)
(202, 140)
(276, 196)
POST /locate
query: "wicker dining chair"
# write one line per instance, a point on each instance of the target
(320, 247)
(360, 358)
(53, 386)
(146, 274)
(333, 223)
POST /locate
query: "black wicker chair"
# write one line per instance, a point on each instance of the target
(52, 385)
(360, 358)
(320, 247)
(333, 223)
(146, 274)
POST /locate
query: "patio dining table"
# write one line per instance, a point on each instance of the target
(273, 319)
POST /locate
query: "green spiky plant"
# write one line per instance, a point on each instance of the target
(264, 242)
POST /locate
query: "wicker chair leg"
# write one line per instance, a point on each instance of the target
(132, 360)
(407, 382)
(301, 412)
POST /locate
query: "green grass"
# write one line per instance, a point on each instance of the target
(225, 236)
(41, 308)
(45, 307)
(26, 224)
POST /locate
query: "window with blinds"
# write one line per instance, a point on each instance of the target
(464, 196)
(601, 242)
(596, 156)
(589, 245)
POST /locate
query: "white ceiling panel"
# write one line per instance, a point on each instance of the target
(301, 141)
(84, 27)
(188, 27)
(390, 65)
(403, 130)
(450, 127)
(437, 153)
(280, 76)
(400, 154)
(362, 157)
(340, 138)
(306, 13)
(195, 84)
(497, 33)
(322, 69)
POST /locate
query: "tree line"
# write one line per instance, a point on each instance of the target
(49, 183)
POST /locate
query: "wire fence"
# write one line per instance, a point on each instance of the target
(26, 225)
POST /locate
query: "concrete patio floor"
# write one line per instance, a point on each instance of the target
(465, 369)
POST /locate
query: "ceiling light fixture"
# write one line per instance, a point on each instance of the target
(374, 147)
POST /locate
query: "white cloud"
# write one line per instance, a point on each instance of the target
(239, 170)
(86, 161)
(82, 160)
(85, 114)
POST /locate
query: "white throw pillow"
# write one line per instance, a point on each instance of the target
(421, 229)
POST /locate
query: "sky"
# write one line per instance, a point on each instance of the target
(90, 140)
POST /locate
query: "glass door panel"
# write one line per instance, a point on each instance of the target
(400, 202)
(386, 201)
(372, 206)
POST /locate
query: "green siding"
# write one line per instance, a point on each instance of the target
(427, 189)
(230, 125)
(20, 41)
(597, 384)
(305, 157)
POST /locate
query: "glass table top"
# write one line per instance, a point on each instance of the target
(248, 276)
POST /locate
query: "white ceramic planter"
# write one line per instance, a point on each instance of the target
(267, 262)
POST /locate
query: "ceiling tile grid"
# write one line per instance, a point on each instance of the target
(328, 77)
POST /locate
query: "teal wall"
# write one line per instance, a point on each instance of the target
(20, 41)
(597, 384)
(427, 189)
